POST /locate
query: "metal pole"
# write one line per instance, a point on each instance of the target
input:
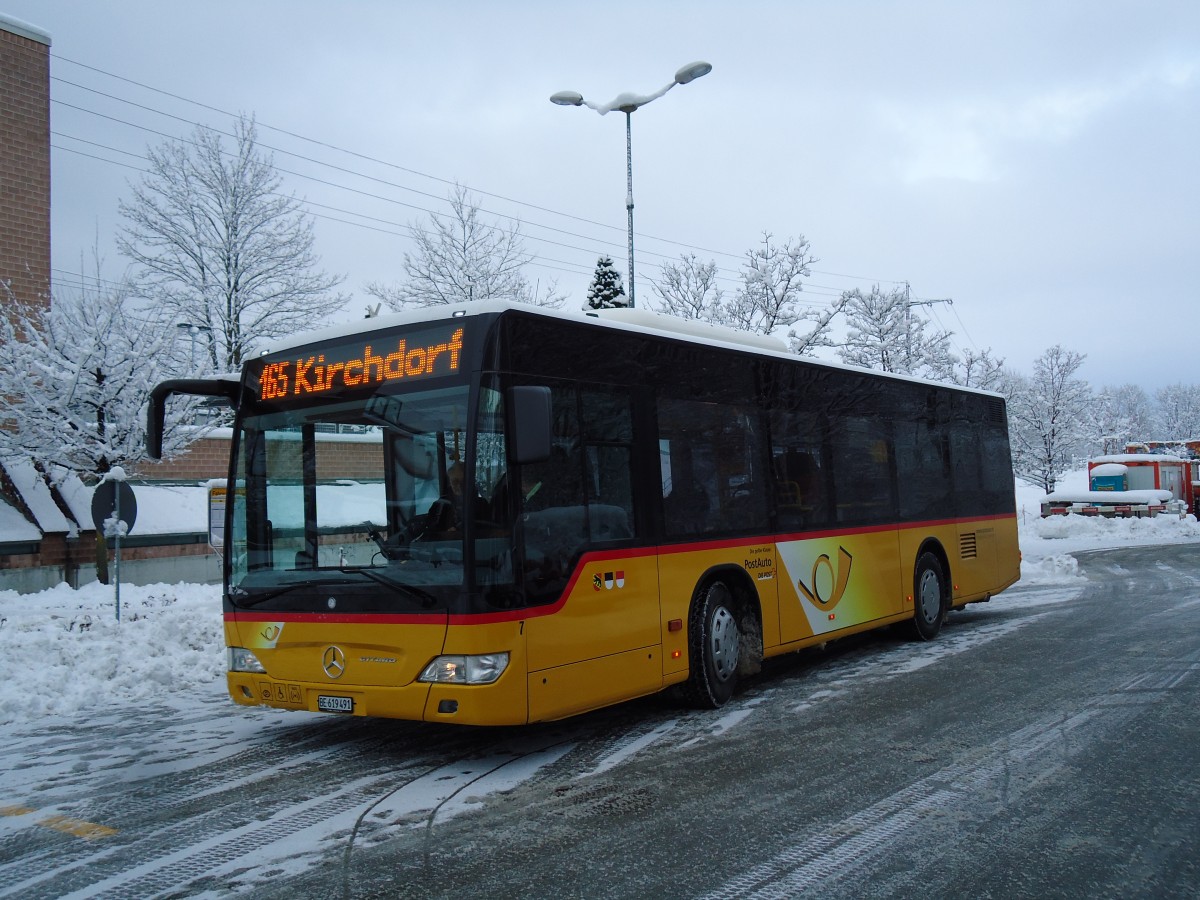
(117, 538)
(629, 195)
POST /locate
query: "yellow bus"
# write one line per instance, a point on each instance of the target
(494, 514)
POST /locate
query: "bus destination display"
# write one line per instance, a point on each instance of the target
(361, 366)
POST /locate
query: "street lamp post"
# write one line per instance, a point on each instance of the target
(192, 330)
(628, 104)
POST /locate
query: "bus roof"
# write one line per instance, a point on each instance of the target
(635, 321)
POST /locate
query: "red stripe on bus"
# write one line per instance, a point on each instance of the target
(436, 618)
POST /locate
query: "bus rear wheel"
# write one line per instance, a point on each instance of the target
(930, 597)
(714, 645)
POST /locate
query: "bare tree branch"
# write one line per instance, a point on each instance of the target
(461, 259)
(217, 245)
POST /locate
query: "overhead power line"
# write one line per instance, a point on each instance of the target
(580, 268)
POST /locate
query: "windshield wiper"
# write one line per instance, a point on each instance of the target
(236, 593)
(427, 599)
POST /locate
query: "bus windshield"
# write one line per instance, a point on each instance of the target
(352, 506)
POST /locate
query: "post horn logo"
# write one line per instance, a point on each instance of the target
(333, 662)
(819, 583)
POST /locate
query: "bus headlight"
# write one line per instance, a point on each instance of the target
(242, 660)
(482, 669)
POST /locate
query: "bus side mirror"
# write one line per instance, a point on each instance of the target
(529, 424)
(227, 388)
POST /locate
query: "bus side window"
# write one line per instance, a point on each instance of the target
(799, 488)
(923, 477)
(686, 503)
(801, 494)
(608, 448)
(862, 471)
(551, 512)
(711, 477)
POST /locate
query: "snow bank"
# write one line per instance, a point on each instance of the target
(1046, 544)
(62, 651)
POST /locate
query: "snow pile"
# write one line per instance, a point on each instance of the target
(1071, 533)
(1046, 544)
(1058, 568)
(62, 652)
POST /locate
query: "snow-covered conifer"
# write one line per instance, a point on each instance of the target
(606, 290)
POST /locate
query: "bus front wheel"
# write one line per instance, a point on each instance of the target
(714, 645)
(929, 597)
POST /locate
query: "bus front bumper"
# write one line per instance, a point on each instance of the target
(502, 703)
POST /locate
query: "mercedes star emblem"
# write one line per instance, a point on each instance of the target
(333, 662)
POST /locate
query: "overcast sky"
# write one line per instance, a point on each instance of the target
(1038, 163)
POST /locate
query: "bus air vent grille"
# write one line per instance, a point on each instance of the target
(968, 545)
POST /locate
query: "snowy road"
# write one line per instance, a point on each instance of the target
(1046, 743)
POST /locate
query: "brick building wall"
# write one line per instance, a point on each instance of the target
(24, 162)
(337, 457)
(204, 459)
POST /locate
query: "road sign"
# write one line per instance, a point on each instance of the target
(104, 504)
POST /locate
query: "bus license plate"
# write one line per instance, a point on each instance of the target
(335, 704)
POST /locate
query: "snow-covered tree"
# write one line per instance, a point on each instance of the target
(688, 289)
(218, 245)
(1049, 417)
(1133, 404)
(1111, 431)
(1122, 414)
(460, 258)
(606, 291)
(74, 380)
(877, 329)
(803, 343)
(772, 279)
(768, 299)
(1178, 412)
(885, 333)
(978, 370)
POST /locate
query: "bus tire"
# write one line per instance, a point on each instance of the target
(714, 646)
(930, 597)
